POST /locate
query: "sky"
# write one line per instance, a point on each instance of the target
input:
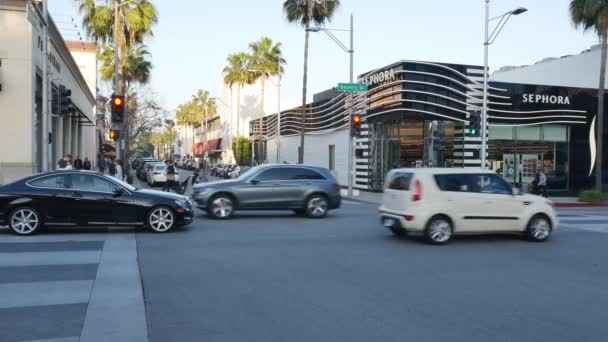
(194, 37)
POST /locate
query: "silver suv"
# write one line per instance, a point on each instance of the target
(309, 190)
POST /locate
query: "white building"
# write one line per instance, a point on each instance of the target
(23, 141)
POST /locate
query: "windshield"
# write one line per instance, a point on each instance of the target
(248, 173)
(124, 184)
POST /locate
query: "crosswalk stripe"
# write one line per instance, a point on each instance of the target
(45, 293)
(49, 258)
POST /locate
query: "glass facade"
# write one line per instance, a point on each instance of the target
(517, 153)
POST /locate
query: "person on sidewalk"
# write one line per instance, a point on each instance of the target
(63, 163)
(111, 168)
(78, 163)
(542, 183)
(118, 169)
(170, 183)
(87, 164)
(101, 164)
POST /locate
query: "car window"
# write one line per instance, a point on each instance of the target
(456, 182)
(273, 174)
(400, 181)
(54, 181)
(302, 173)
(92, 183)
(159, 167)
(493, 184)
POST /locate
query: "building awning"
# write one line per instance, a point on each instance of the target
(211, 146)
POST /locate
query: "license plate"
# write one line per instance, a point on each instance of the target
(389, 222)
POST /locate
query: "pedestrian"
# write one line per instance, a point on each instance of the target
(78, 163)
(542, 183)
(68, 165)
(87, 164)
(170, 178)
(112, 168)
(118, 169)
(101, 164)
(62, 164)
(195, 175)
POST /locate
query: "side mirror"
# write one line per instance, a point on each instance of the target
(516, 192)
(254, 181)
(118, 192)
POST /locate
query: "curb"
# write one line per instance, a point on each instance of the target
(580, 205)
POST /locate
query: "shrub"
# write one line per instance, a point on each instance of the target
(593, 196)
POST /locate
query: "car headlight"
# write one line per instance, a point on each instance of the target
(182, 203)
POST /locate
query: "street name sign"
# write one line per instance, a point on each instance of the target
(354, 87)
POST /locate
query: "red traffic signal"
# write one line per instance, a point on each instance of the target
(355, 125)
(118, 108)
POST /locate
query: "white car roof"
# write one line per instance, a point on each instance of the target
(443, 170)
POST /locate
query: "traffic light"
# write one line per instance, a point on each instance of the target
(355, 125)
(114, 134)
(118, 109)
(64, 100)
(474, 125)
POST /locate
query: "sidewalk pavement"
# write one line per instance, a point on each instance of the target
(560, 202)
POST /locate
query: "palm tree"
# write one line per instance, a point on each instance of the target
(267, 59)
(237, 73)
(593, 15)
(137, 68)
(302, 12)
(135, 21)
(186, 116)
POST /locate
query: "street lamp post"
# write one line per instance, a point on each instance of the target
(489, 39)
(350, 50)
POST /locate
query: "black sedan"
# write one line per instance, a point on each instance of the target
(77, 198)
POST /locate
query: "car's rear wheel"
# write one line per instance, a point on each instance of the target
(221, 207)
(161, 219)
(316, 206)
(539, 228)
(439, 230)
(24, 221)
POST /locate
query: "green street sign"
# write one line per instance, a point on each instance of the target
(354, 87)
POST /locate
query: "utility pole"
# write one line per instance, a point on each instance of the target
(116, 68)
(44, 125)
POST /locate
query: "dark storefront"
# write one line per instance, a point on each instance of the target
(417, 114)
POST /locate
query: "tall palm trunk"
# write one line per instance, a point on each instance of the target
(305, 80)
(261, 128)
(192, 141)
(238, 120)
(599, 181)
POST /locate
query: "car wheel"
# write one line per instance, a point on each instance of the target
(221, 207)
(161, 219)
(24, 221)
(439, 230)
(316, 206)
(539, 228)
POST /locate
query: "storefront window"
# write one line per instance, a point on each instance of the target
(531, 149)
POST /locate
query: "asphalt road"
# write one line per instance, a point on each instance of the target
(273, 276)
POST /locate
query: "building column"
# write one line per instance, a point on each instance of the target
(67, 136)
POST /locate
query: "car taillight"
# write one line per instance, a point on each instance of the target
(336, 186)
(409, 217)
(417, 196)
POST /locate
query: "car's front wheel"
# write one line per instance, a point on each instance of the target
(221, 207)
(539, 228)
(316, 206)
(161, 219)
(24, 221)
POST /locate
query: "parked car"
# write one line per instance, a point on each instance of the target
(76, 198)
(142, 173)
(235, 172)
(440, 203)
(309, 190)
(158, 174)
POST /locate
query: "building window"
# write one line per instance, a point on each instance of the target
(332, 157)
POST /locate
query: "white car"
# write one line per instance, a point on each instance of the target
(439, 203)
(158, 174)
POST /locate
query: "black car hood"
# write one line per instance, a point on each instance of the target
(161, 194)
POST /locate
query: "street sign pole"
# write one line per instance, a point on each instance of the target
(351, 169)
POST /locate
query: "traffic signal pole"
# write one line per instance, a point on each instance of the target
(351, 170)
